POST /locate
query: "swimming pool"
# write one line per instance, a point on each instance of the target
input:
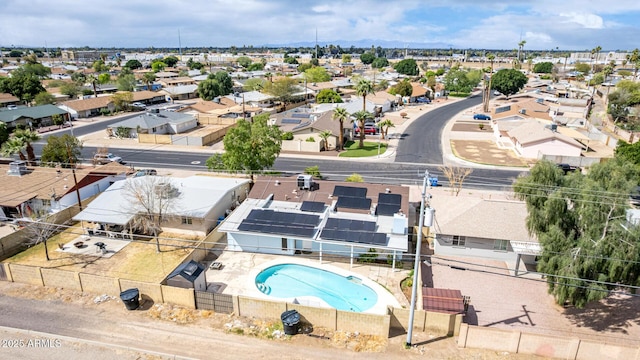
(293, 280)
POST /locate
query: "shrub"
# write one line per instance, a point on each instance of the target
(310, 139)
(313, 171)
(354, 178)
(481, 126)
(368, 257)
(287, 135)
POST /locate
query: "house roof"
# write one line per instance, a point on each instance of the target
(151, 120)
(249, 96)
(380, 97)
(533, 132)
(197, 195)
(529, 108)
(178, 80)
(203, 106)
(442, 300)
(296, 121)
(474, 216)
(189, 271)
(166, 74)
(283, 195)
(38, 182)
(145, 95)
(7, 98)
(418, 90)
(179, 90)
(89, 104)
(32, 112)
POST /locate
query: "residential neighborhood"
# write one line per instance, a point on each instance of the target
(371, 200)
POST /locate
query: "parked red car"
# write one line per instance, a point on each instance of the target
(369, 129)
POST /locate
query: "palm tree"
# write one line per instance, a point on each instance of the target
(13, 146)
(384, 126)
(93, 80)
(596, 52)
(341, 115)
(148, 78)
(325, 137)
(634, 58)
(521, 47)
(487, 89)
(361, 118)
(364, 88)
(27, 136)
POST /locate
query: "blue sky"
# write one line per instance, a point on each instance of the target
(460, 24)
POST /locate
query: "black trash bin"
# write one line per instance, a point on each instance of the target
(290, 322)
(130, 298)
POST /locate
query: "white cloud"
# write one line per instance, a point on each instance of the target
(587, 20)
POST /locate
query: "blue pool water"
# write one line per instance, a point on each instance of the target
(292, 280)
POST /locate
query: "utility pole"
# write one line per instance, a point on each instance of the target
(422, 223)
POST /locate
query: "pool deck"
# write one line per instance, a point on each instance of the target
(239, 269)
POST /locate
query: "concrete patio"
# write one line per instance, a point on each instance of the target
(90, 246)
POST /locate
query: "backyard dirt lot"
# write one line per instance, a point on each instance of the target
(522, 303)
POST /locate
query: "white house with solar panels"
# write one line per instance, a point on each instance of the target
(288, 216)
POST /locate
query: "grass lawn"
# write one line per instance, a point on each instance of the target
(369, 149)
(138, 260)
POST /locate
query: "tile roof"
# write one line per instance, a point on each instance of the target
(151, 120)
(145, 95)
(533, 132)
(182, 89)
(5, 98)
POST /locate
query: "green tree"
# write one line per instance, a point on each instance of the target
(407, 67)
(70, 89)
(217, 84)
(458, 80)
(24, 86)
(78, 78)
(12, 147)
(317, 74)
(283, 88)
(384, 126)
(346, 58)
(126, 82)
(27, 137)
(148, 78)
(225, 81)
(244, 61)
(360, 118)
(158, 65)
(37, 69)
(328, 96)
(255, 67)
(93, 80)
(249, 147)
(170, 61)
(325, 135)
(290, 60)
(579, 221)
(122, 99)
(254, 84)
(583, 68)
(133, 64)
(402, 88)
(364, 88)
(65, 150)
(341, 115)
(4, 133)
(508, 81)
(44, 98)
(543, 68)
(628, 152)
(380, 63)
(104, 78)
(99, 66)
(304, 67)
(367, 58)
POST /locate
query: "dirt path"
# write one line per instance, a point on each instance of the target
(95, 330)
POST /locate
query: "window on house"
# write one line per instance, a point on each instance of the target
(46, 202)
(459, 240)
(285, 244)
(500, 245)
(187, 220)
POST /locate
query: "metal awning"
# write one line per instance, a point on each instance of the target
(526, 248)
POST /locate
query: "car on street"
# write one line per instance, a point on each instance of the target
(566, 168)
(102, 159)
(481, 117)
(423, 100)
(139, 105)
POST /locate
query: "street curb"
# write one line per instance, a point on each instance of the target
(41, 334)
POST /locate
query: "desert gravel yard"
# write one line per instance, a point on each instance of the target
(522, 303)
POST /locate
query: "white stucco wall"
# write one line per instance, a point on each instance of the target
(474, 247)
(553, 147)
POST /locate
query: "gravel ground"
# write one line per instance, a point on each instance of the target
(522, 303)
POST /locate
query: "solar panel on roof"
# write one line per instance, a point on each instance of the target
(387, 209)
(391, 199)
(282, 223)
(290, 121)
(301, 115)
(350, 191)
(360, 203)
(312, 206)
(503, 109)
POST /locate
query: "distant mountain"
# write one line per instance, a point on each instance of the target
(365, 43)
